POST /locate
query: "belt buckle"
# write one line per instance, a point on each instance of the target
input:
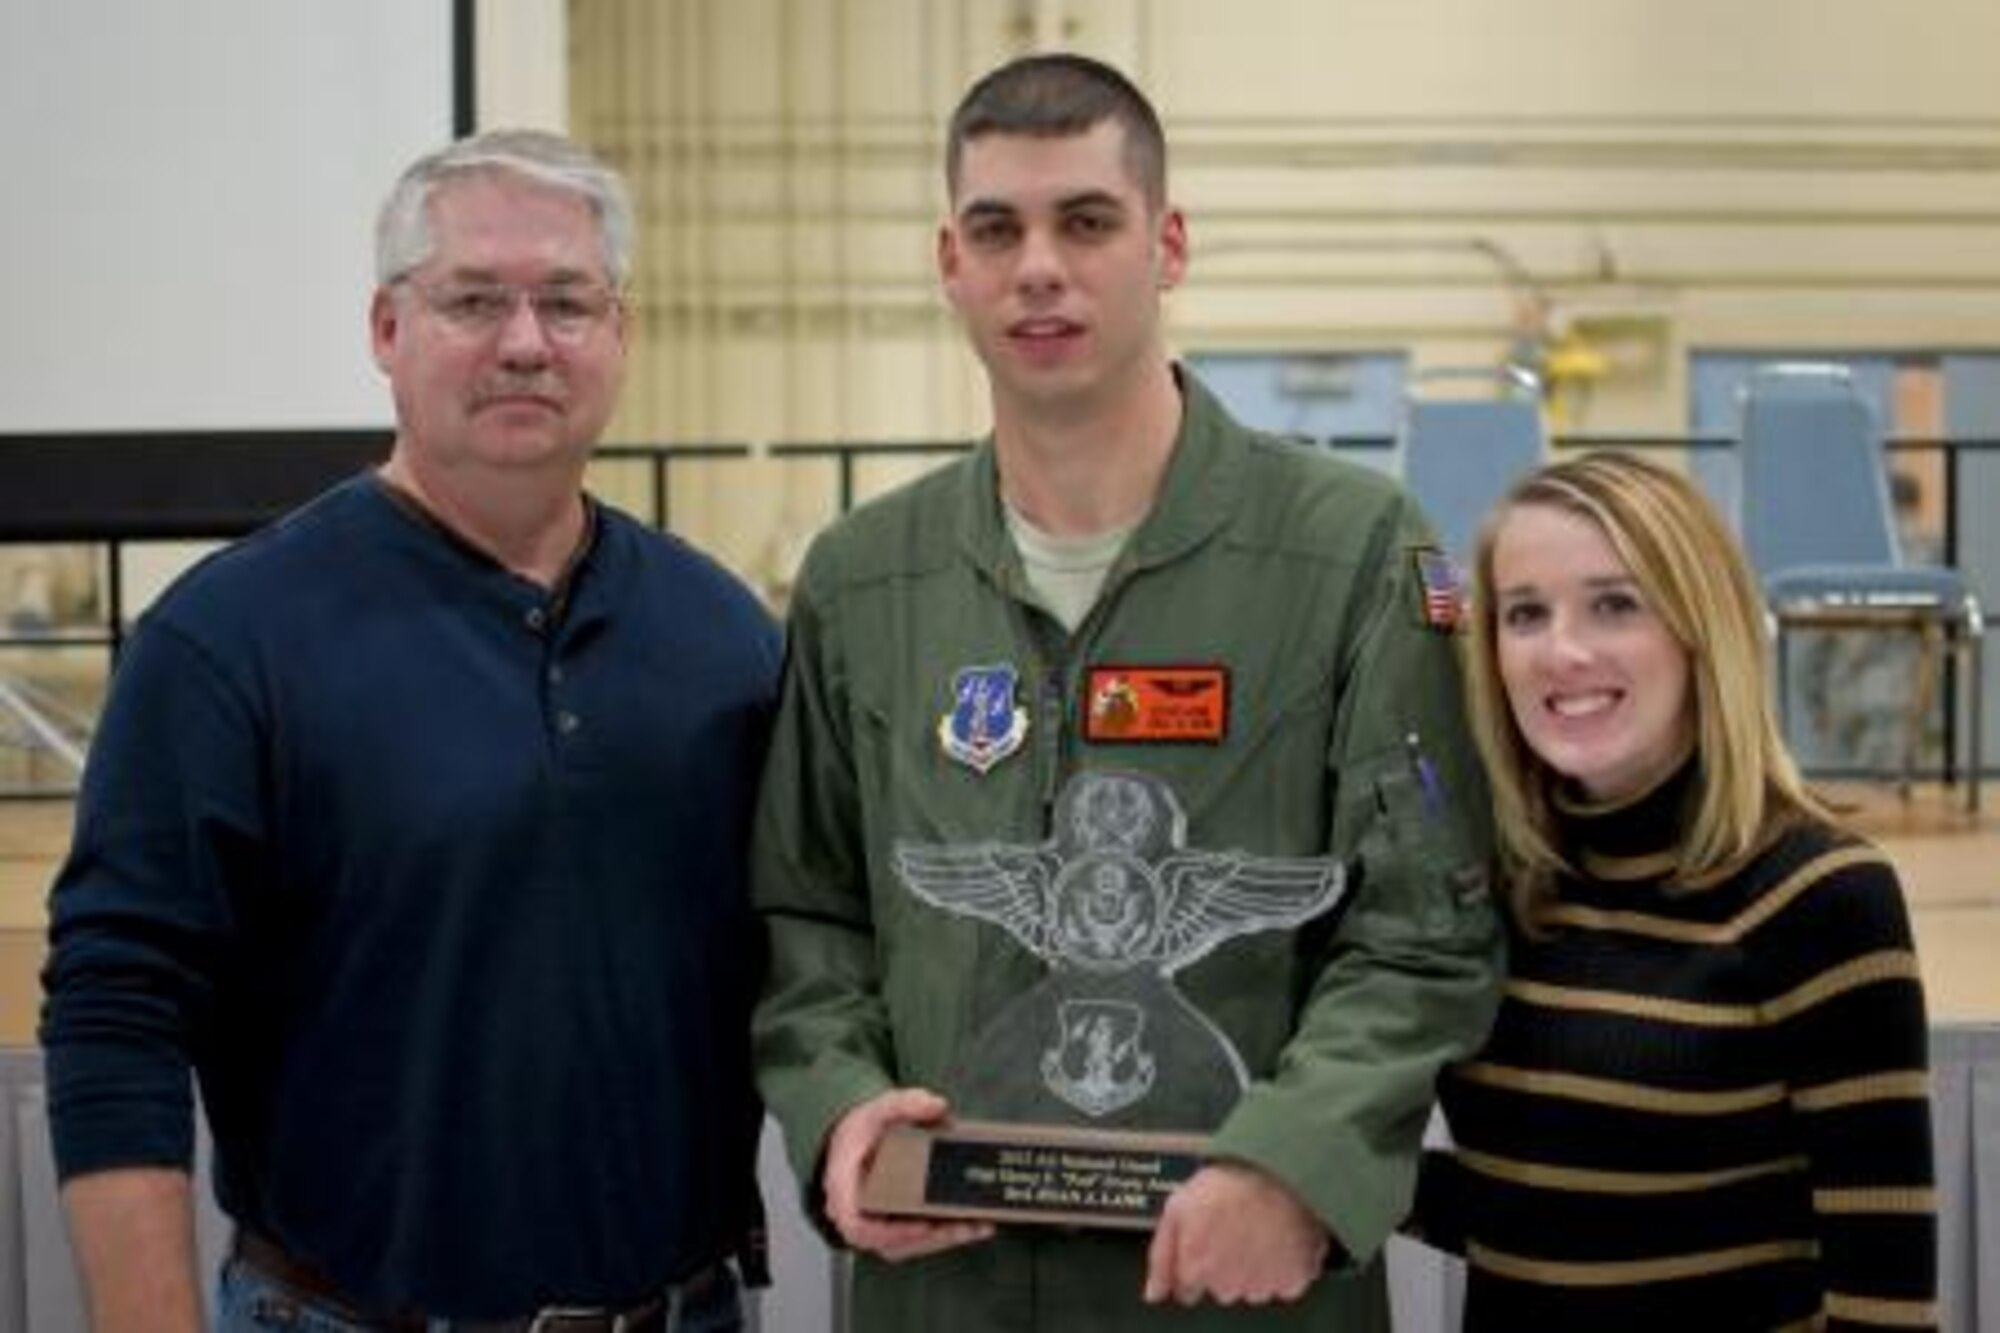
(668, 1305)
(550, 1318)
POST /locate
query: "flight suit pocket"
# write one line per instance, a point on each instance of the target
(1419, 867)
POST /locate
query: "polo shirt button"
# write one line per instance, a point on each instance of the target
(567, 723)
(555, 675)
(535, 619)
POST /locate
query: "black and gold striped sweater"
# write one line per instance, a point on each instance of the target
(1698, 1111)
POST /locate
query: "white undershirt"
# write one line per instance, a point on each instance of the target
(1066, 573)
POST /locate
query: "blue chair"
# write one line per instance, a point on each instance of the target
(1820, 531)
(1460, 455)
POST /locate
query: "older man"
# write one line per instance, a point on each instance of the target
(416, 828)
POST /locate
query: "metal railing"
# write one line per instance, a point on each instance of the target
(113, 491)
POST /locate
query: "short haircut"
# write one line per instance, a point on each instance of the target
(1054, 96)
(403, 238)
(1694, 577)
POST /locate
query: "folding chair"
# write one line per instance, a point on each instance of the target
(1820, 530)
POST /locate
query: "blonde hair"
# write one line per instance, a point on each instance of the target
(1693, 575)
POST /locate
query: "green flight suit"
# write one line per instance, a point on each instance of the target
(1295, 574)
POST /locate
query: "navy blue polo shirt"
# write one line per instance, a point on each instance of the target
(437, 882)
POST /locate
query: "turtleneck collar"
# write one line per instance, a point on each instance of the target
(1635, 840)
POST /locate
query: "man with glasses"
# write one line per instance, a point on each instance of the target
(416, 828)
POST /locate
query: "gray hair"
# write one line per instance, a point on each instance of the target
(403, 233)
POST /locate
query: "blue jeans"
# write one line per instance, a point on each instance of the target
(248, 1302)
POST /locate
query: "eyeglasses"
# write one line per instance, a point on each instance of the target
(567, 312)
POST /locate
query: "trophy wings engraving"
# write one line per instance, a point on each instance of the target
(1104, 910)
(1115, 903)
(993, 881)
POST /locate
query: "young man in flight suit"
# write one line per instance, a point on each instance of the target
(1129, 635)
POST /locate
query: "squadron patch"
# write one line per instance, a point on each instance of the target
(1156, 705)
(984, 724)
(1440, 589)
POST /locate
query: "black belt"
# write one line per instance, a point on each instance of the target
(269, 1260)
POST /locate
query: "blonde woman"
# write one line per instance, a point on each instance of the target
(1703, 1105)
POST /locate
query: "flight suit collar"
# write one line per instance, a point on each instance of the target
(1198, 495)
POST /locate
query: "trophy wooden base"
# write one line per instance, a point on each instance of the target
(1048, 1174)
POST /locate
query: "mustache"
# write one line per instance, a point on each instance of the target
(544, 387)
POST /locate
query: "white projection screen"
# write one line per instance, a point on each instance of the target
(190, 188)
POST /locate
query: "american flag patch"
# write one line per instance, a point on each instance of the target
(1441, 588)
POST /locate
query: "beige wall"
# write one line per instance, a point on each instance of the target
(1380, 174)
(522, 78)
